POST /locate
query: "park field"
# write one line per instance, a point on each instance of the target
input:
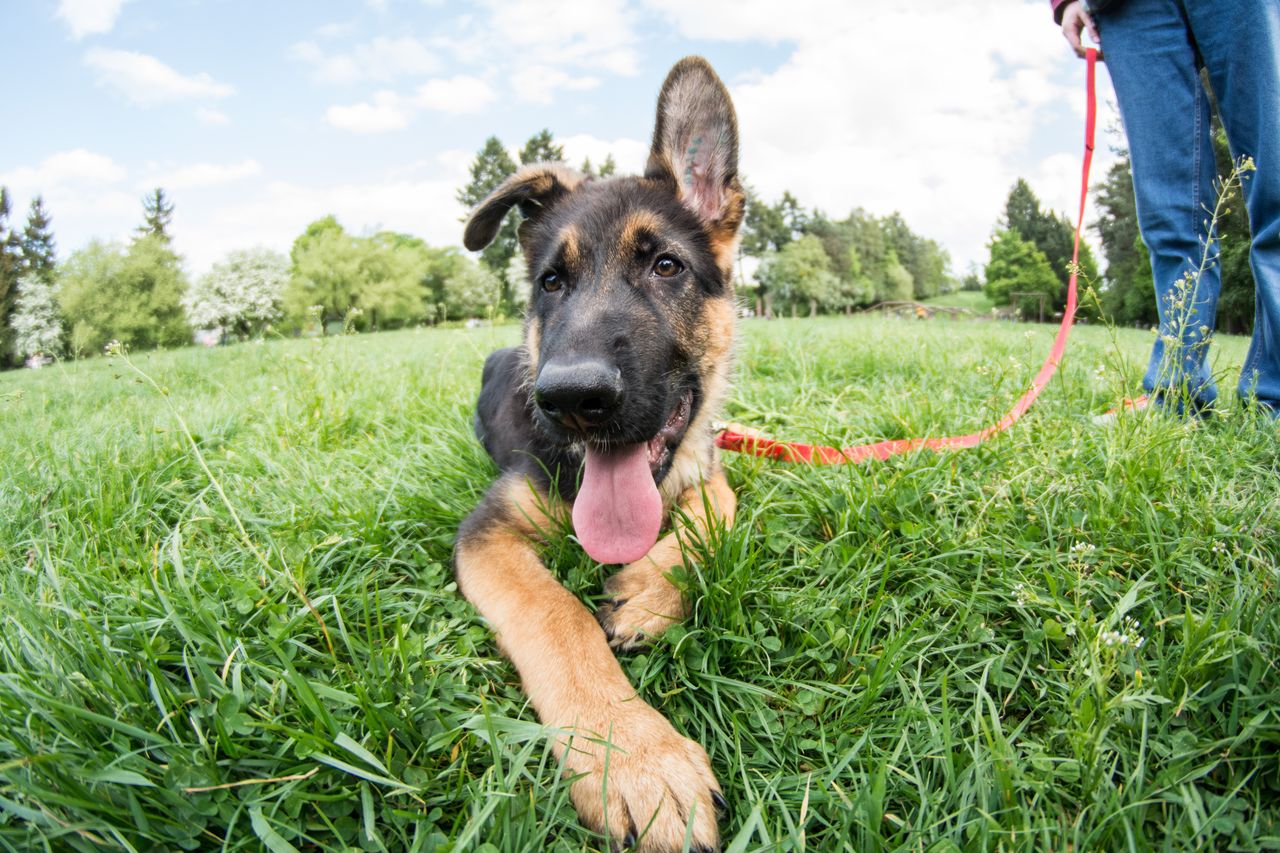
(230, 622)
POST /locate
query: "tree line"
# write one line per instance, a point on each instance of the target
(137, 292)
(1030, 253)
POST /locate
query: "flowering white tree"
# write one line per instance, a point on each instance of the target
(518, 281)
(36, 324)
(241, 294)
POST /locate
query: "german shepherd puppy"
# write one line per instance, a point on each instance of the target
(603, 415)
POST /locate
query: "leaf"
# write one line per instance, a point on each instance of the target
(274, 841)
(120, 776)
(350, 745)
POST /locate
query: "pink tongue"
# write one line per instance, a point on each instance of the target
(618, 511)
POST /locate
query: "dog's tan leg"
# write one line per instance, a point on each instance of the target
(644, 602)
(648, 782)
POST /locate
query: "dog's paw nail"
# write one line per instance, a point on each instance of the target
(722, 805)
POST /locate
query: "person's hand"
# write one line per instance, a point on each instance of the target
(1074, 19)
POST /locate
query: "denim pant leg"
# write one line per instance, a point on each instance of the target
(1154, 66)
(1240, 43)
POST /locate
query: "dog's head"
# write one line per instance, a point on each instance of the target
(630, 319)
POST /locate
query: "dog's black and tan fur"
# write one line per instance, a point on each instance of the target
(627, 340)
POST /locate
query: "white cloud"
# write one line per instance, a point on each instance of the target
(930, 112)
(147, 81)
(629, 154)
(76, 167)
(200, 175)
(211, 117)
(382, 59)
(538, 83)
(276, 213)
(594, 34)
(89, 17)
(388, 111)
(460, 94)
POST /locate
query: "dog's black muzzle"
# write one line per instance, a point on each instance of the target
(579, 393)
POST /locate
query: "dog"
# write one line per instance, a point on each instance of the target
(603, 416)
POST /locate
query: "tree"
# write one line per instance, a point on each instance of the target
(763, 226)
(325, 274)
(608, 168)
(792, 213)
(242, 293)
(764, 231)
(10, 268)
(36, 324)
(922, 258)
(541, 148)
(1235, 237)
(1128, 295)
(492, 166)
(837, 239)
(392, 290)
(1050, 232)
(132, 295)
(157, 212)
(517, 281)
(800, 274)
(898, 285)
(1017, 266)
(387, 277)
(39, 251)
(472, 291)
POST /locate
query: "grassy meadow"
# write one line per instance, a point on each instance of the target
(1065, 639)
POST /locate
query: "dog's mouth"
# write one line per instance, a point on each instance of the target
(662, 447)
(617, 513)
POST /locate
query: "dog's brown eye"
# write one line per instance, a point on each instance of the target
(550, 282)
(667, 266)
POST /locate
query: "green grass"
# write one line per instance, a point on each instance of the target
(930, 653)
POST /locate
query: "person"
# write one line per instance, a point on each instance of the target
(1154, 50)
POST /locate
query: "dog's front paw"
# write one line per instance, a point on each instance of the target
(644, 786)
(642, 604)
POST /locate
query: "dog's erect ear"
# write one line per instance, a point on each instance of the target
(534, 188)
(695, 143)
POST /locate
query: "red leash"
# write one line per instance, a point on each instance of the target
(743, 440)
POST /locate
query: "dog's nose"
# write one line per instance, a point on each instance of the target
(581, 393)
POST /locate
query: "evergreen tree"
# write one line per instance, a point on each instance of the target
(763, 229)
(1128, 295)
(795, 216)
(1050, 232)
(608, 168)
(39, 251)
(492, 166)
(587, 169)
(1017, 266)
(10, 268)
(541, 148)
(1236, 304)
(157, 212)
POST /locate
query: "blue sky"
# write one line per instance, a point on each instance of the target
(260, 117)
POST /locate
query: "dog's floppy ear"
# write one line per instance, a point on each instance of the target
(695, 144)
(533, 188)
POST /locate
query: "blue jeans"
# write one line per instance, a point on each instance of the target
(1153, 50)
